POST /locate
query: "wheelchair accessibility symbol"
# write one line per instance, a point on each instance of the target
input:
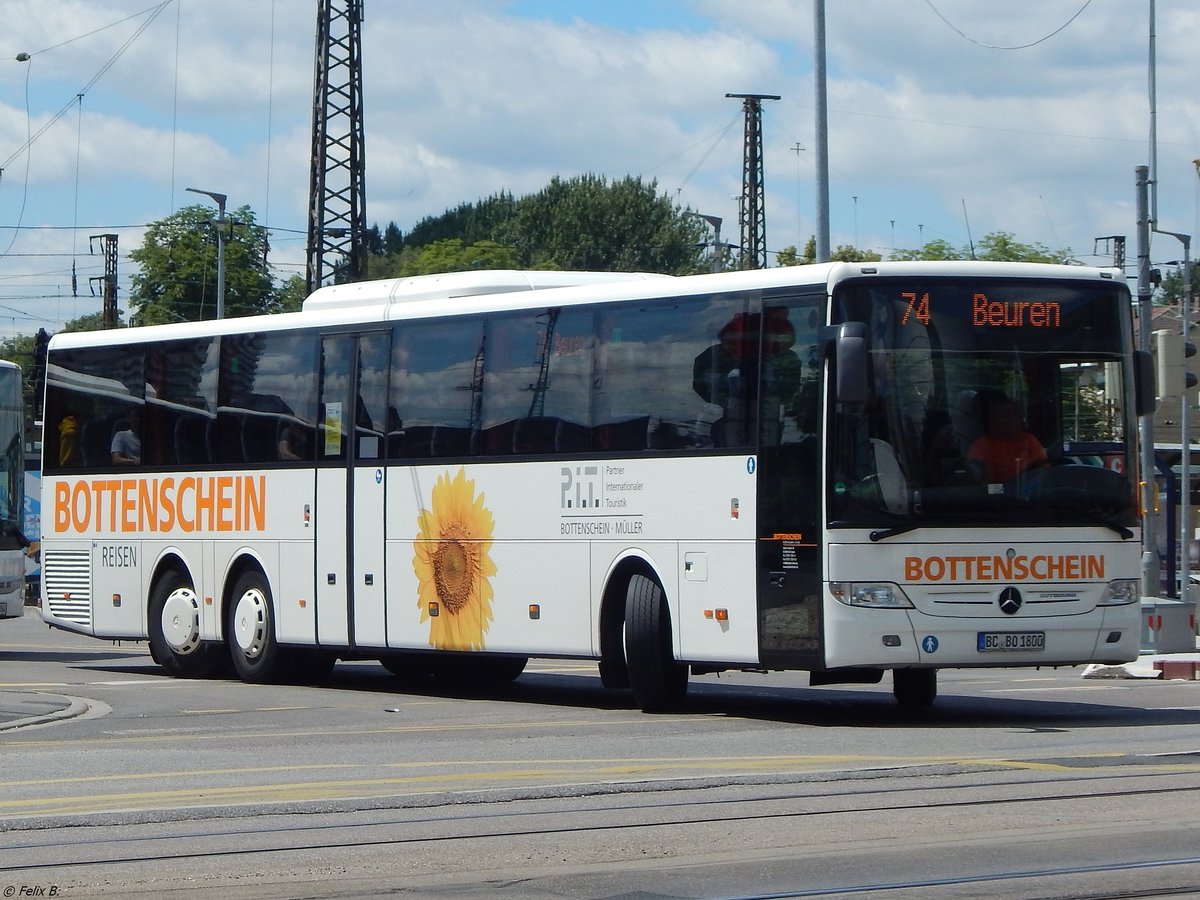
(929, 643)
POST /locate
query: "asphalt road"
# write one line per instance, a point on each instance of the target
(118, 781)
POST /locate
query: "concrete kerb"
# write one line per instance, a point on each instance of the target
(30, 709)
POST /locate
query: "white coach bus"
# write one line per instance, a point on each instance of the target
(845, 469)
(12, 492)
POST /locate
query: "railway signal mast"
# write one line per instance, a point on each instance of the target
(337, 216)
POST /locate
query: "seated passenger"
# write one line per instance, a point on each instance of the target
(127, 442)
(293, 444)
(1005, 449)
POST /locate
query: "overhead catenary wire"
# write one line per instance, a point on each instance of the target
(1026, 46)
(154, 11)
(25, 180)
(75, 211)
(707, 153)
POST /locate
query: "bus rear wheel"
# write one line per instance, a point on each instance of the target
(257, 656)
(408, 666)
(477, 672)
(174, 629)
(659, 682)
(914, 688)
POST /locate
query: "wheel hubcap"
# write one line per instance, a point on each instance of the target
(181, 621)
(250, 623)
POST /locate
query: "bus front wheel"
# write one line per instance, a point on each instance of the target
(174, 629)
(257, 657)
(914, 688)
(658, 681)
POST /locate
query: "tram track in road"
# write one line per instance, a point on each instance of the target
(300, 786)
(1187, 889)
(686, 818)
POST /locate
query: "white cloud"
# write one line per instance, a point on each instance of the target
(463, 100)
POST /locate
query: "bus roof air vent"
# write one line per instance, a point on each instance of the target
(455, 284)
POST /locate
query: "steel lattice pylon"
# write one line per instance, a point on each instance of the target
(337, 205)
(108, 246)
(753, 216)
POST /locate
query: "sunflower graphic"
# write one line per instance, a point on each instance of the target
(453, 565)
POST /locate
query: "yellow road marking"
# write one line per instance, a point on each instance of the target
(559, 771)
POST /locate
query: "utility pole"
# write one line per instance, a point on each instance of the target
(822, 131)
(108, 247)
(1150, 576)
(1185, 462)
(754, 216)
(799, 213)
(337, 204)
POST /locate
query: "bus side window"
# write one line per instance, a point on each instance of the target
(89, 391)
(259, 391)
(648, 360)
(434, 389)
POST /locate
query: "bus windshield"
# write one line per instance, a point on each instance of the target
(989, 402)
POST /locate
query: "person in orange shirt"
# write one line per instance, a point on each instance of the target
(1006, 449)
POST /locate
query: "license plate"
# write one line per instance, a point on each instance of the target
(1001, 641)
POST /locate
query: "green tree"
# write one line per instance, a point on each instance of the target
(1003, 247)
(585, 223)
(998, 246)
(576, 223)
(393, 239)
(789, 256)
(1170, 290)
(19, 349)
(90, 322)
(470, 222)
(449, 255)
(935, 249)
(177, 280)
(847, 253)
(289, 297)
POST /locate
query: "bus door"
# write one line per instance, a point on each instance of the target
(789, 480)
(351, 489)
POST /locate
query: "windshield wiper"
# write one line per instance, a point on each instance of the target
(1088, 512)
(884, 533)
(1097, 519)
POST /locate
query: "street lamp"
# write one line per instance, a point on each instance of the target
(718, 248)
(220, 223)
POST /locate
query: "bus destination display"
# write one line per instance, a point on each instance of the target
(988, 313)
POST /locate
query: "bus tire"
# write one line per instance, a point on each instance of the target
(914, 688)
(503, 669)
(659, 682)
(477, 672)
(614, 673)
(257, 656)
(311, 666)
(174, 629)
(407, 666)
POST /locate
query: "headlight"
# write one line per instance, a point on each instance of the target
(876, 595)
(1122, 592)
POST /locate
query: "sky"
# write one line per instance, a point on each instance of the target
(948, 119)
